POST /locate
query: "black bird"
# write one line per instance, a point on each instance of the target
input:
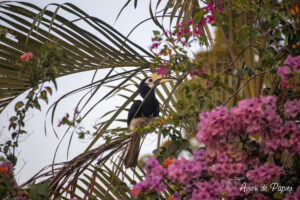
(140, 114)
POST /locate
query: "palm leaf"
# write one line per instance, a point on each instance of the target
(83, 50)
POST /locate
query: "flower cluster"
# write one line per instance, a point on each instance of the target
(213, 125)
(26, 56)
(287, 140)
(266, 173)
(295, 196)
(290, 72)
(184, 31)
(292, 108)
(153, 180)
(184, 170)
(65, 119)
(229, 137)
(251, 116)
(255, 115)
(177, 40)
(8, 185)
(6, 168)
(225, 164)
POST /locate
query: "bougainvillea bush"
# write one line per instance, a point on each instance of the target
(252, 152)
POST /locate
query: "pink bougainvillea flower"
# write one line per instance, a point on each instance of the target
(191, 74)
(76, 112)
(210, 19)
(293, 61)
(207, 83)
(209, 7)
(283, 72)
(292, 108)
(220, 9)
(59, 123)
(190, 22)
(154, 46)
(200, 72)
(67, 115)
(26, 56)
(163, 71)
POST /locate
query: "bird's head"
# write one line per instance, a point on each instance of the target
(149, 84)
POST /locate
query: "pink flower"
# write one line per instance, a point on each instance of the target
(284, 72)
(292, 108)
(180, 24)
(293, 62)
(210, 19)
(207, 83)
(210, 7)
(284, 84)
(213, 125)
(26, 56)
(163, 71)
(59, 123)
(67, 115)
(76, 112)
(200, 72)
(154, 46)
(153, 180)
(191, 74)
(267, 173)
(289, 74)
(220, 9)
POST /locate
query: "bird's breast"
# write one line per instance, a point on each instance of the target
(139, 122)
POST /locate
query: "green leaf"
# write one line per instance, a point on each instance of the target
(156, 32)
(81, 135)
(44, 96)
(277, 195)
(230, 90)
(12, 119)
(5, 149)
(36, 105)
(262, 13)
(59, 52)
(253, 34)
(39, 191)
(49, 90)
(18, 105)
(14, 135)
(198, 16)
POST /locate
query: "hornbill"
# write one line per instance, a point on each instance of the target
(140, 114)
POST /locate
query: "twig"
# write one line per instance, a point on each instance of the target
(252, 77)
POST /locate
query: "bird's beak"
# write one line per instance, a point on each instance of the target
(158, 79)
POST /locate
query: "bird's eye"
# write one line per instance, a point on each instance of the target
(150, 80)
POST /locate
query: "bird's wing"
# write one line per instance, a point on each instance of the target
(133, 111)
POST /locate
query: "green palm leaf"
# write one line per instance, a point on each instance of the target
(83, 50)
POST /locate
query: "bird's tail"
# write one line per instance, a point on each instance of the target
(133, 151)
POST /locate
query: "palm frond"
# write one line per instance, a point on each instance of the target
(26, 27)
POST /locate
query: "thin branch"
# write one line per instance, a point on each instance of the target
(252, 77)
